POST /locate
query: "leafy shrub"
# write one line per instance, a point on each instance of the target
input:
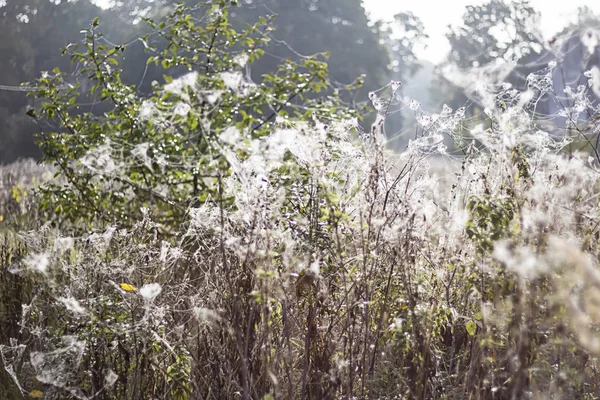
(165, 152)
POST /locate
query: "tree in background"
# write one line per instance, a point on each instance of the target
(400, 36)
(32, 32)
(494, 30)
(337, 26)
(491, 39)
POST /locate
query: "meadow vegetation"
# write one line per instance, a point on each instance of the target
(224, 238)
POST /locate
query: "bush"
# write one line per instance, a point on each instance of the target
(166, 152)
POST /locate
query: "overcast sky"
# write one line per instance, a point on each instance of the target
(438, 14)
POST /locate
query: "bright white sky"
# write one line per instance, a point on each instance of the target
(438, 14)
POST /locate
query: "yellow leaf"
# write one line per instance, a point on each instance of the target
(1, 218)
(127, 287)
(36, 394)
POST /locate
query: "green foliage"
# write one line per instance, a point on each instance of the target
(179, 375)
(126, 159)
(490, 219)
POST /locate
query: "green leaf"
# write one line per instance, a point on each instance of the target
(471, 328)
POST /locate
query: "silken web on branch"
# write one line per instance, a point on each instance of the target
(308, 199)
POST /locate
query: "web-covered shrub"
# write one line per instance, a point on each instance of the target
(306, 261)
(163, 151)
(337, 270)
